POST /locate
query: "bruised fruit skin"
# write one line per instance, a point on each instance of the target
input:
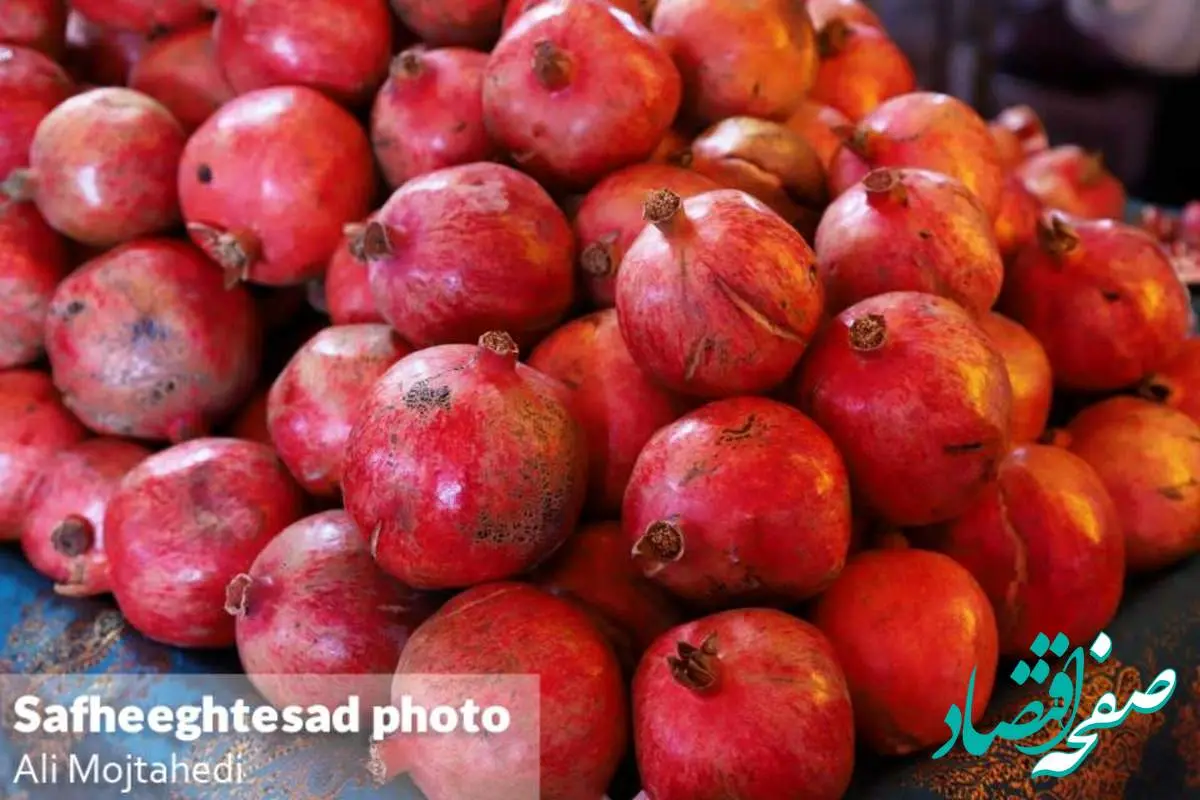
(1029, 375)
(314, 401)
(63, 531)
(268, 181)
(37, 24)
(917, 400)
(33, 260)
(1148, 456)
(465, 466)
(718, 296)
(908, 230)
(611, 217)
(180, 71)
(348, 297)
(741, 502)
(817, 125)
(576, 89)
(143, 16)
(515, 8)
(881, 616)
(144, 341)
(750, 704)
(825, 11)
(182, 524)
(466, 23)
(860, 68)
(464, 250)
(31, 85)
(1101, 297)
(1177, 382)
(1072, 180)
(1016, 223)
(618, 405)
(98, 55)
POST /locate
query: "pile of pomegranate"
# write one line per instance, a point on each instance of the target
(684, 354)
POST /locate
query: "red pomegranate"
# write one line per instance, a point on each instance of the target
(718, 296)
(825, 11)
(672, 149)
(347, 287)
(36, 24)
(860, 68)
(470, 23)
(749, 704)
(1019, 133)
(250, 422)
(1016, 223)
(98, 55)
(145, 342)
(1072, 180)
(818, 125)
(457, 252)
(881, 616)
(1029, 374)
(31, 85)
(33, 260)
(575, 90)
(1176, 383)
(1101, 297)
(143, 16)
(268, 181)
(638, 9)
(180, 71)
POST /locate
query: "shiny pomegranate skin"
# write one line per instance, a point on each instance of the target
(180, 71)
(31, 85)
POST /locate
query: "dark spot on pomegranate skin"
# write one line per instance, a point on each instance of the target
(204, 174)
(74, 307)
(1176, 493)
(924, 234)
(697, 470)
(743, 431)
(1110, 296)
(966, 447)
(424, 399)
(161, 390)
(147, 328)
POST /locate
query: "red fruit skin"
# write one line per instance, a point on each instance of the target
(182, 524)
(1029, 375)
(754, 59)
(1071, 180)
(1177, 382)
(470, 249)
(465, 466)
(251, 421)
(37, 24)
(610, 218)
(31, 85)
(268, 181)
(618, 405)
(787, 726)
(1148, 456)
(348, 297)
(1189, 223)
(33, 260)
(429, 113)
(98, 55)
(917, 400)
(908, 230)
(145, 342)
(1101, 297)
(824, 11)
(860, 68)
(576, 89)
(817, 125)
(1008, 147)
(755, 501)
(1022, 132)
(1016, 223)
(722, 300)
(142, 16)
(465, 23)
(881, 616)
(34, 427)
(314, 401)
(63, 530)
(515, 8)
(923, 130)
(671, 149)
(180, 71)
(1045, 543)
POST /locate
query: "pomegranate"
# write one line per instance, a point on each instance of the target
(576, 89)
(923, 130)
(465, 466)
(881, 616)
(471, 23)
(787, 728)
(1101, 297)
(1189, 224)
(1029, 374)
(754, 58)
(268, 181)
(250, 423)
(617, 404)
(142, 16)
(860, 68)
(1016, 222)
(32, 262)
(63, 530)
(1148, 455)
(182, 524)
(429, 113)
(145, 342)
(347, 286)
(610, 218)
(102, 167)
(741, 502)
(98, 55)
(818, 125)
(825, 11)
(459, 251)
(672, 149)
(718, 296)
(908, 230)
(36, 24)
(31, 85)
(1026, 128)
(180, 71)
(1072, 180)
(1176, 383)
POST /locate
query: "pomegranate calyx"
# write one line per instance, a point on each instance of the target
(500, 343)
(833, 38)
(551, 66)
(868, 333)
(1055, 236)
(596, 259)
(1155, 390)
(660, 207)
(73, 537)
(235, 251)
(408, 64)
(377, 241)
(237, 595)
(355, 233)
(884, 185)
(697, 668)
(662, 544)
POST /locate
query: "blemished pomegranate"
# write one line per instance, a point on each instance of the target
(515, 8)
(917, 400)
(317, 621)
(314, 402)
(1176, 383)
(1101, 297)
(143, 16)
(741, 502)
(467, 23)
(37, 24)
(818, 125)
(611, 217)
(618, 405)
(860, 68)
(774, 674)
(429, 113)
(33, 260)
(144, 341)
(99, 55)
(465, 466)
(1029, 374)
(63, 529)
(1045, 543)
(754, 58)
(347, 288)
(923, 130)
(180, 71)
(1016, 222)
(268, 181)
(825, 11)
(182, 524)
(464, 250)
(576, 89)
(1148, 456)
(102, 167)
(908, 230)
(1072, 180)
(880, 616)
(31, 85)
(718, 296)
